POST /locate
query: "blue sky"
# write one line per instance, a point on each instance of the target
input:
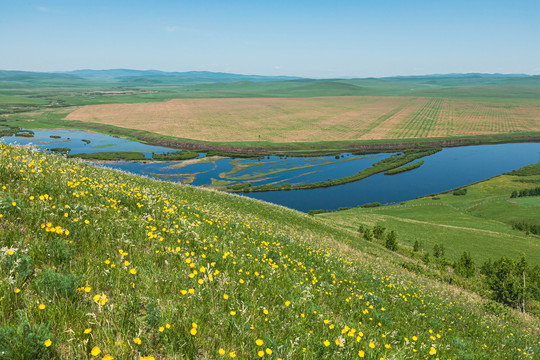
(303, 38)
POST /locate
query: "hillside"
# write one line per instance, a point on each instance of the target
(100, 264)
(479, 221)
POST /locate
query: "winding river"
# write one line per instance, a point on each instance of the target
(445, 170)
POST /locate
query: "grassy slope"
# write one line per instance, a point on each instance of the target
(477, 222)
(164, 256)
(318, 283)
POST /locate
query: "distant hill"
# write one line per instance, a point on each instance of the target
(157, 76)
(134, 77)
(8, 75)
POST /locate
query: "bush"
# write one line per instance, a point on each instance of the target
(465, 265)
(368, 236)
(370, 205)
(460, 192)
(25, 341)
(378, 231)
(391, 241)
(51, 284)
(22, 266)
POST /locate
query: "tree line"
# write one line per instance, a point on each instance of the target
(525, 192)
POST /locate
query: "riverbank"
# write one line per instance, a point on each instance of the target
(254, 149)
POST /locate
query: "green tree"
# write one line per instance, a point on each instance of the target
(465, 265)
(436, 251)
(378, 231)
(368, 236)
(391, 241)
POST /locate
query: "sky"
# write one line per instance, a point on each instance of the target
(320, 39)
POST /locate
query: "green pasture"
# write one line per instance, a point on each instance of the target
(479, 222)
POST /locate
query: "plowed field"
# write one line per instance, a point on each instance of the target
(316, 119)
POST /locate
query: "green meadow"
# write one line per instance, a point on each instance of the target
(98, 264)
(479, 221)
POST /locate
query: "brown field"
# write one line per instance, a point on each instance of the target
(316, 119)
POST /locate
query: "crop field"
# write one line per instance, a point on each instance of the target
(316, 119)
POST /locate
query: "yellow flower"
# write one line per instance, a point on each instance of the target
(260, 353)
(87, 289)
(108, 357)
(287, 303)
(221, 351)
(361, 353)
(259, 342)
(14, 203)
(17, 290)
(137, 341)
(268, 351)
(225, 296)
(193, 331)
(371, 344)
(95, 351)
(41, 306)
(48, 342)
(10, 252)
(87, 331)
(161, 329)
(432, 351)
(232, 354)
(326, 343)
(133, 271)
(414, 338)
(233, 313)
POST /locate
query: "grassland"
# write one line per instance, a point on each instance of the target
(479, 222)
(100, 264)
(301, 116)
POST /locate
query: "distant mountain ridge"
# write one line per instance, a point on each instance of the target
(139, 76)
(300, 86)
(126, 74)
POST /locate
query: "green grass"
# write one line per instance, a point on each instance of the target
(136, 267)
(110, 155)
(530, 201)
(479, 222)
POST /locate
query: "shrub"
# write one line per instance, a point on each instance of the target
(391, 241)
(378, 231)
(370, 205)
(465, 265)
(25, 341)
(22, 266)
(368, 236)
(460, 192)
(51, 284)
